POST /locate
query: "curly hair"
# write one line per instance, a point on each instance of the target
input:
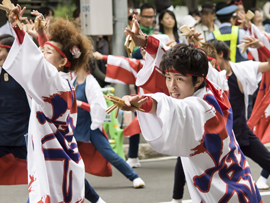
(65, 33)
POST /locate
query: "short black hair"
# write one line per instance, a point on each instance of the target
(7, 40)
(221, 47)
(45, 10)
(146, 6)
(209, 6)
(194, 12)
(186, 59)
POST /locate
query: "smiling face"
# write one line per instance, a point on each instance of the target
(180, 86)
(3, 55)
(52, 56)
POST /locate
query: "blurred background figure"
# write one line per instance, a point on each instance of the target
(168, 25)
(77, 18)
(258, 19)
(195, 14)
(266, 12)
(207, 24)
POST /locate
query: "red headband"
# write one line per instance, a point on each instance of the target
(5, 46)
(222, 101)
(211, 58)
(68, 64)
(175, 71)
(238, 3)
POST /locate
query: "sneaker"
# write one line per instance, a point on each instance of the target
(133, 162)
(138, 183)
(100, 200)
(261, 183)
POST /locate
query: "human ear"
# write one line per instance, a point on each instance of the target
(199, 81)
(63, 62)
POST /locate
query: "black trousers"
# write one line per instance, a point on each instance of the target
(19, 152)
(179, 180)
(257, 152)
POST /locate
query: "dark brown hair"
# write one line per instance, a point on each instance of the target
(185, 59)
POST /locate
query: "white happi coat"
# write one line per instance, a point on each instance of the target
(55, 167)
(247, 73)
(263, 37)
(96, 100)
(196, 129)
(192, 129)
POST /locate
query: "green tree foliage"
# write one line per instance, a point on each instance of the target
(64, 10)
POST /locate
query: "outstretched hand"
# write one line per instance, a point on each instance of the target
(29, 28)
(39, 17)
(252, 42)
(97, 55)
(195, 37)
(136, 33)
(16, 14)
(131, 101)
(244, 20)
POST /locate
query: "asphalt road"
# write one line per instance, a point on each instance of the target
(157, 174)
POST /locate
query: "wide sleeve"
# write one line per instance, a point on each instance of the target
(255, 32)
(247, 74)
(178, 125)
(97, 102)
(150, 76)
(266, 10)
(40, 79)
(122, 70)
(218, 78)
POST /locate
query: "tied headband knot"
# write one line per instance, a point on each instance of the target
(5, 46)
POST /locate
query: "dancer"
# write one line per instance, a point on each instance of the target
(169, 127)
(89, 91)
(52, 149)
(243, 79)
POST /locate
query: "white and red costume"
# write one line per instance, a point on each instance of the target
(55, 167)
(260, 117)
(199, 129)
